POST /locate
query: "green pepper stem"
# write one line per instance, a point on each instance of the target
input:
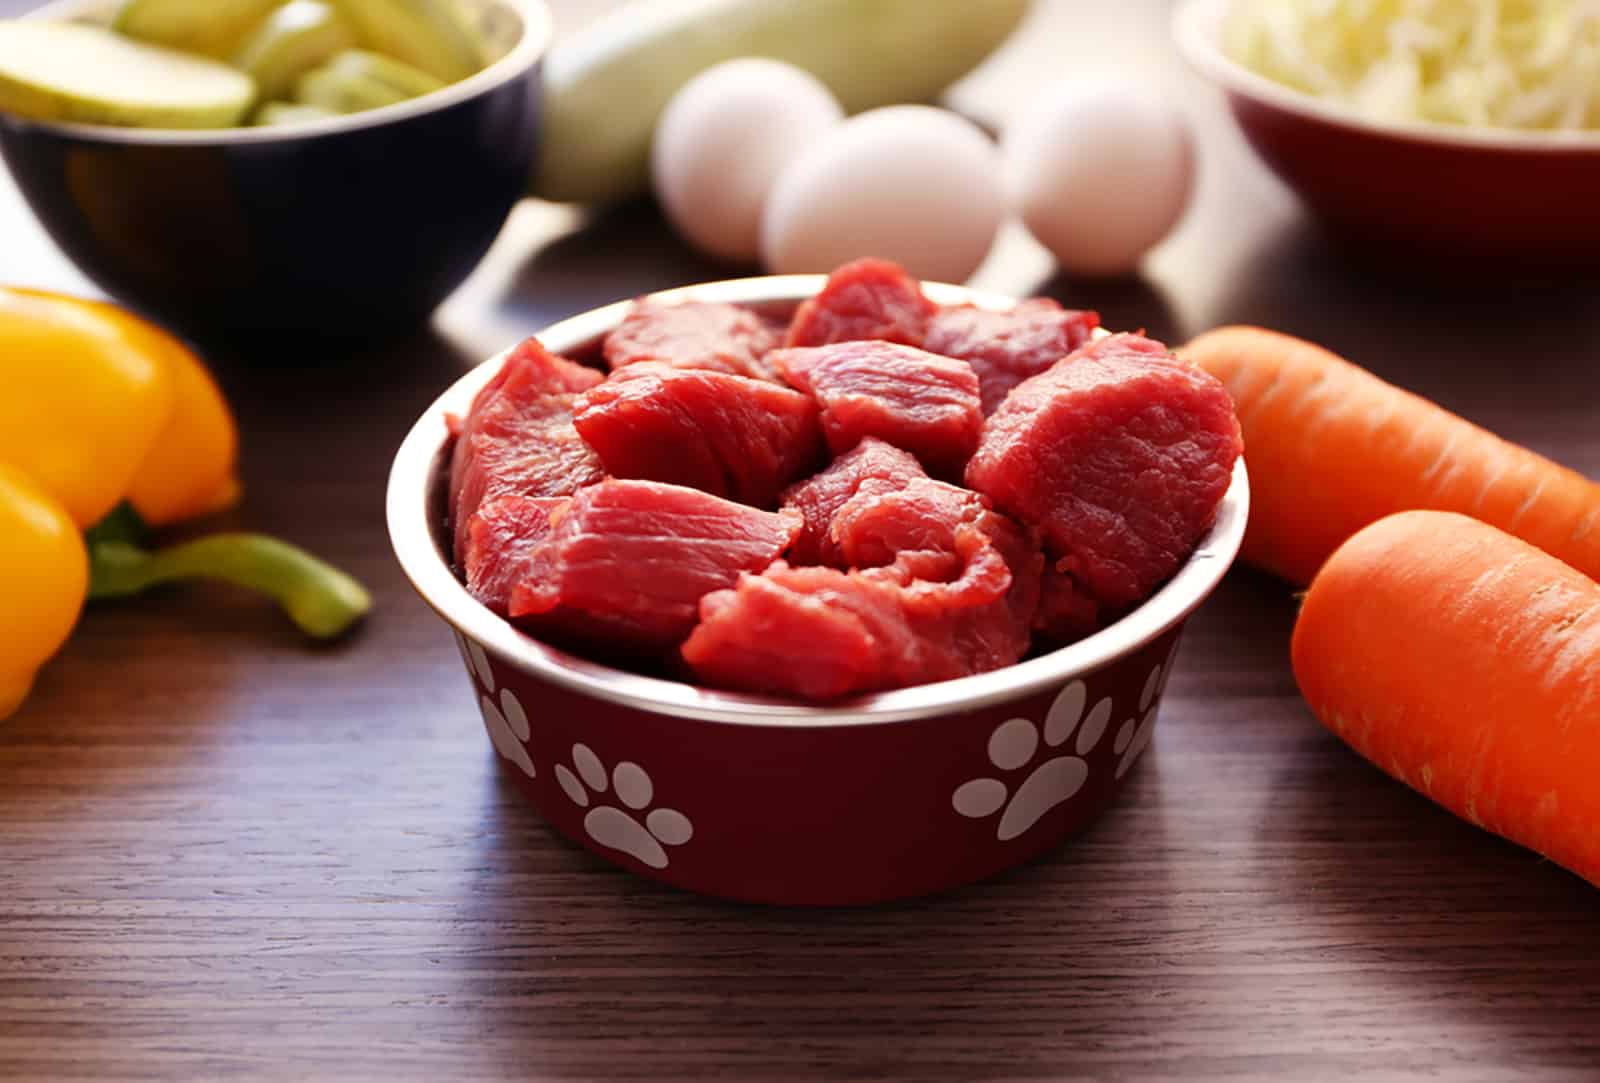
(321, 600)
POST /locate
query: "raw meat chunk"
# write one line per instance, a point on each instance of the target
(723, 434)
(872, 466)
(856, 636)
(1119, 455)
(998, 594)
(502, 539)
(694, 335)
(874, 527)
(867, 299)
(1065, 613)
(929, 616)
(917, 401)
(627, 562)
(518, 439)
(1005, 348)
(986, 630)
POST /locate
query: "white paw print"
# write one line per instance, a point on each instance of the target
(611, 826)
(476, 660)
(508, 722)
(1134, 737)
(1013, 745)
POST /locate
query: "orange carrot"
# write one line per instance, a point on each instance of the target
(1465, 663)
(1331, 448)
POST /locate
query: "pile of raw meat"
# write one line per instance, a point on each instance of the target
(883, 493)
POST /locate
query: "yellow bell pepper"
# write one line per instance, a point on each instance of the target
(44, 574)
(163, 437)
(189, 471)
(100, 410)
(84, 399)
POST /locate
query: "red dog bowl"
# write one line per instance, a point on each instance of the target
(1436, 192)
(762, 799)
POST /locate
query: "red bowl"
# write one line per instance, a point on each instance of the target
(764, 799)
(1438, 192)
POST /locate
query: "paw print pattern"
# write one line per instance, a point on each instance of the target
(1015, 743)
(477, 661)
(1133, 737)
(506, 721)
(508, 729)
(616, 828)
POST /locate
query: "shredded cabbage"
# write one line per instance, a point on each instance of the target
(1531, 64)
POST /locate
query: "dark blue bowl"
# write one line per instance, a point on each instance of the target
(350, 228)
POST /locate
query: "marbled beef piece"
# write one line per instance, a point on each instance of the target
(502, 539)
(627, 562)
(929, 616)
(518, 439)
(1119, 456)
(727, 435)
(871, 466)
(917, 401)
(867, 299)
(1006, 347)
(694, 335)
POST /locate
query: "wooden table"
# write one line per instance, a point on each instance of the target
(224, 853)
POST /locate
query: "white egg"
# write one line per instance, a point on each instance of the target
(722, 141)
(908, 183)
(1100, 172)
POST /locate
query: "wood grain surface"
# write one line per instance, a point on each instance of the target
(225, 854)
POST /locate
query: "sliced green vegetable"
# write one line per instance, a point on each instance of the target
(341, 93)
(433, 35)
(86, 74)
(294, 39)
(606, 87)
(322, 601)
(214, 28)
(275, 113)
(408, 81)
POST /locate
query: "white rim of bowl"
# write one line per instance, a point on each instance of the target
(421, 455)
(1197, 26)
(537, 29)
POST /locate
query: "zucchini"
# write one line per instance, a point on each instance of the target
(433, 35)
(402, 78)
(89, 75)
(214, 28)
(294, 39)
(343, 92)
(273, 114)
(606, 87)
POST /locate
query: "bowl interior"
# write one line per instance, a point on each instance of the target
(1197, 27)
(515, 34)
(416, 517)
